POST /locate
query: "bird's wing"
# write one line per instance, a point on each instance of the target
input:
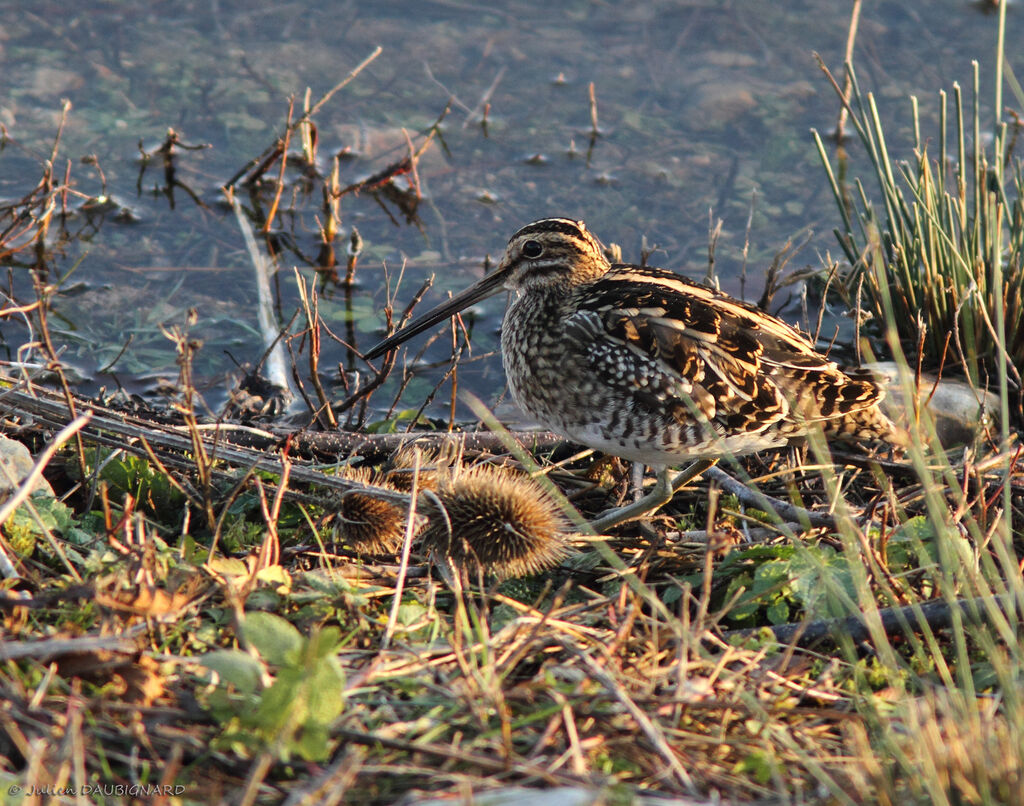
(673, 350)
(751, 369)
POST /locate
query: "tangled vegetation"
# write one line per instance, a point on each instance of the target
(229, 608)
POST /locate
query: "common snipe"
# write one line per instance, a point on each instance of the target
(647, 365)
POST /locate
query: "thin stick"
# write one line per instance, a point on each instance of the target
(314, 109)
(310, 307)
(344, 82)
(270, 550)
(44, 650)
(413, 159)
(934, 615)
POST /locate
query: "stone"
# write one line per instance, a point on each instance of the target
(959, 410)
(15, 465)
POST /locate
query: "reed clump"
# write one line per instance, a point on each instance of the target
(939, 249)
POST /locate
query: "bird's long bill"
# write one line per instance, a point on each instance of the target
(488, 286)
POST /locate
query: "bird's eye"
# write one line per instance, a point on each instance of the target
(532, 249)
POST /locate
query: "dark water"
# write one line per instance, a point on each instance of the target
(704, 108)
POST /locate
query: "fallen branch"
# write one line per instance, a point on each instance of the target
(936, 615)
(47, 649)
(755, 498)
(226, 443)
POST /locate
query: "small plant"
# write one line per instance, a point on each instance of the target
(286, 714)
(137, 477)
(29, 522)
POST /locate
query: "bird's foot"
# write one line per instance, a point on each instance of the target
(660, 495)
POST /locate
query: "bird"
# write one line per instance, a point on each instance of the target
(647, 365)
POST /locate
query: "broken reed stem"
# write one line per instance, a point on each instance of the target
(306, 131)
(355, 248)
(274, 360)
(279, 186)
(46, 184)
(455, 377)
(270, 549)
(311, 310)
(484, 103)
(332, 203)
(451, 372)
(594, 130)
(414, 157)
(202, 462)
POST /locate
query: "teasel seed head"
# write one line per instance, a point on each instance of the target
(367, 523)
(433, 463)
(502, 522)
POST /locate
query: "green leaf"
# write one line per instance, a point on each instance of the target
(324, 642)
(54, 515)
(281, 706)
(314, 743)
(277, 641)
(778, 612)
(228, 566)
(758, 764)
(817, 582)
(913, 545)
(274, 575)
(325, 692)
(235, 667)
(399, 420)
(744, 607)
(411, 612)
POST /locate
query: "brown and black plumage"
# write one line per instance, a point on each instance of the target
(647, 365)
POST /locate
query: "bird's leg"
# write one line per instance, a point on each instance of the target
(638, 480)
(696, 469)
(657, 497)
